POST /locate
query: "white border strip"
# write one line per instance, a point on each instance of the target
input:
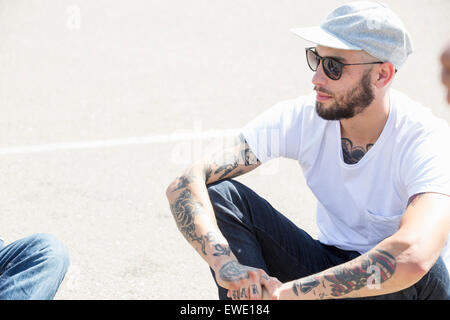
(98, 144)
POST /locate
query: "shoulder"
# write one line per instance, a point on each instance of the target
(421, 140)
(413, 118)
(415, 125)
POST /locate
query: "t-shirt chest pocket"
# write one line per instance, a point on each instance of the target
(380, 227)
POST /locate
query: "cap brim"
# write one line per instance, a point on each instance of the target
(319, 36)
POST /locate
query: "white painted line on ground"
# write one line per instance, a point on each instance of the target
(98, 144)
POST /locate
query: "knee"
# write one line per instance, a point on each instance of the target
(51, 250)
(221, 190)
(229, 199)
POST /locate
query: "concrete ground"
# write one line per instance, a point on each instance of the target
(104, 102)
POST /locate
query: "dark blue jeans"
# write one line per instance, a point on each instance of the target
(32, 268)
(262, 237)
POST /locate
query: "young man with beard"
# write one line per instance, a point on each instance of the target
(374, 159)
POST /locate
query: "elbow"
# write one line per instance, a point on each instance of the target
(168, 192)
(417, 268)
(170, 189)
(191, 175)
(178, 184)
(422, 266)
(413, 260)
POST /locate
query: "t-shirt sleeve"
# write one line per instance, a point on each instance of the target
(426, 164)
(276, 132)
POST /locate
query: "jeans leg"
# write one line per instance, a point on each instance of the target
(262, 237)
(32, 268)
(435, 285)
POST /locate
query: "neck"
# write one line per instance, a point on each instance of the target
(367, 126)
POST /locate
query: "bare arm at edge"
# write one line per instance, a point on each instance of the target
(396, 263)
(194, 215)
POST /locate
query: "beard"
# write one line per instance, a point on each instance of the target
(351, 103)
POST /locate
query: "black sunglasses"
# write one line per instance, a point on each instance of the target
(331, 67)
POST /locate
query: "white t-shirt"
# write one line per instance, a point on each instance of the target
(359, 205)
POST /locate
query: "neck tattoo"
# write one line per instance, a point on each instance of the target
(352, 154)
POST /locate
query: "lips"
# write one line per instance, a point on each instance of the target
(322, 96)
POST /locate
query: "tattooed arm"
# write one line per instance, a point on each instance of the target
(363, 276)
(394, 264)
(195, 218)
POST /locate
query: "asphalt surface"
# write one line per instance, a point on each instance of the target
(103, 103)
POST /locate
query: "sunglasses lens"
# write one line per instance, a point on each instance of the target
(332, 68)
(313, 60)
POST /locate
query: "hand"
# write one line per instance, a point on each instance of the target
(244, 282)
(271, 293)
(445, 60)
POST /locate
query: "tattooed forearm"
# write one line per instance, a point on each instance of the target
(186, 205)
(226, 169)
(221, 249)
(305, 285)
(184, 210)
(349, 277)
(226, 163)
(182, 182)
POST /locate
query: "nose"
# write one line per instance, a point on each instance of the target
(319, 78)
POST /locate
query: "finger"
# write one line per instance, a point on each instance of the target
(243, 288)
(244, 293)
(265, 280)
(255, 291)
(265, 294)
(270, 283)
(234, 294)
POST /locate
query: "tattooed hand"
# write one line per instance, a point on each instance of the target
(244, 283)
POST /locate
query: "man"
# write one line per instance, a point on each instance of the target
(374, 159)
(445, 60)
(32, 268)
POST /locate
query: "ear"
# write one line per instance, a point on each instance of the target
(384, 74)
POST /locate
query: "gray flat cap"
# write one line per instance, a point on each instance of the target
(363, 25)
